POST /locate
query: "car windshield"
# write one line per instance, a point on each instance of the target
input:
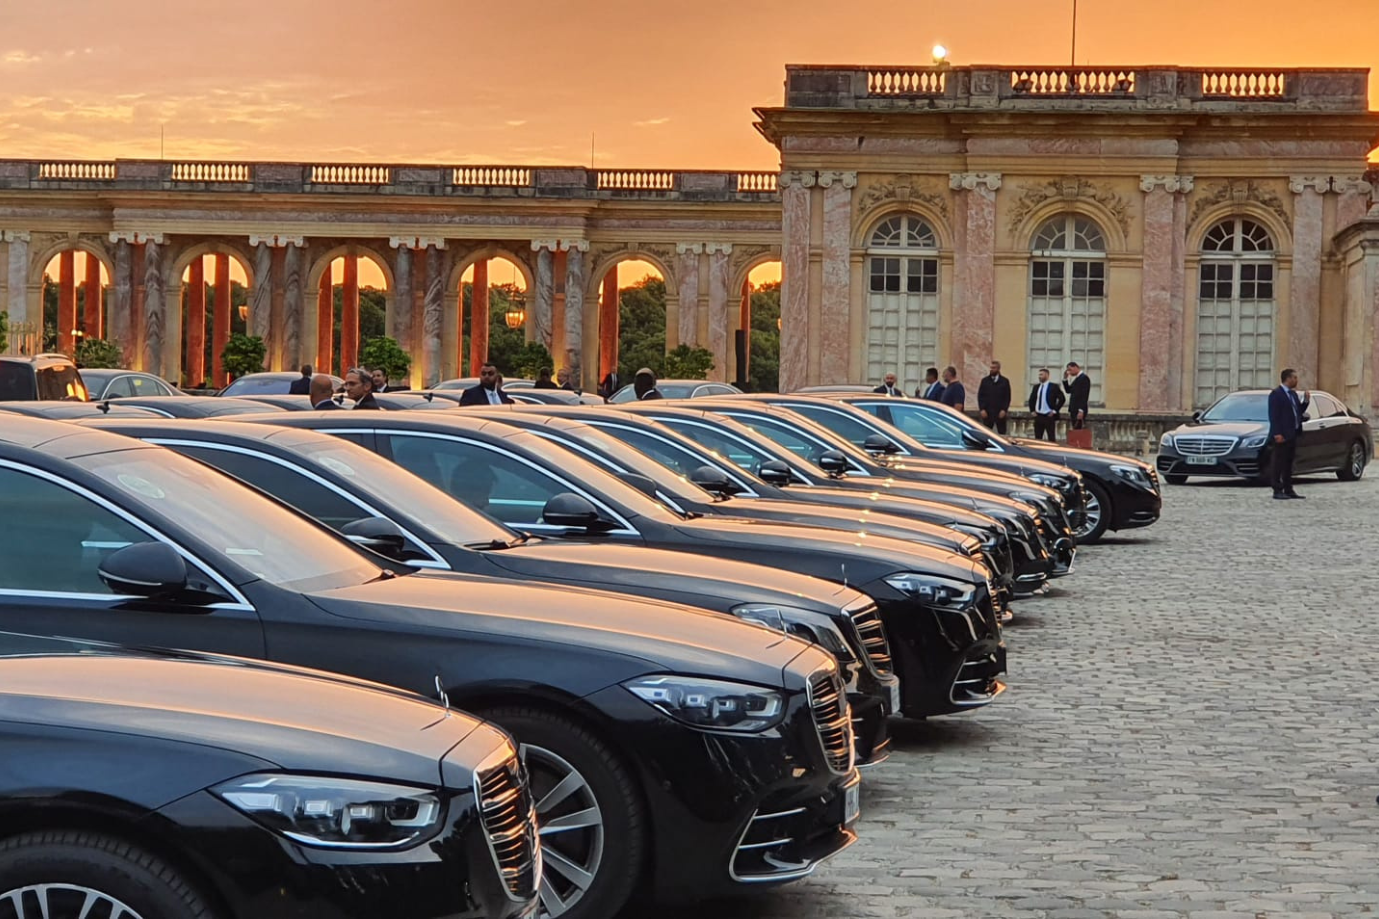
(1240, 406)
(237, 523)
(585, 472)
(411, 495)
(932, 425)
(264, 385)
(630, 458)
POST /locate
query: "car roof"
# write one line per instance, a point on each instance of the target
(207, 429)
(63, 410)
(61, 439)
(45, 358)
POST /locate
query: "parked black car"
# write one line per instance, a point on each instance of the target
(1032, 559)
(668, 748)
(41, 377)
(1122, 492)
(677, 389)
(276, 382)
(937, 607)
(1232, 439)
(379, 504)
(116, 384)
(75, 411)
(198, 406)
(175, 785)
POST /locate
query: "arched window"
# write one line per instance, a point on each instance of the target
(1067, 298)
(1235, 310)
(902, 299)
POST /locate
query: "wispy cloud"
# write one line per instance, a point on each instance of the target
(515, 123)
(651, 123)
(20, 58)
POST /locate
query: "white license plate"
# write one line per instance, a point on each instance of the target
(1200, 460)
(852, 804)
(895, 698)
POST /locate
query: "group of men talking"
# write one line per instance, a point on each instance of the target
(1046, 398)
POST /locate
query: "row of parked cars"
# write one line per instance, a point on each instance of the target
(501, 661)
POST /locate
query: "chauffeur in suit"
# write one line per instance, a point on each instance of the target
(1286, 412)
(993, 399)
(1045, 399)
(489, 391)
(1079, 387)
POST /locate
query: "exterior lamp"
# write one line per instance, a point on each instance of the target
(777, 323)
(940, 54)
(244, 312)
(515, 316)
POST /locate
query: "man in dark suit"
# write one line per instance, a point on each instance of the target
(488, 392)
(993, 399)
(323, 394)
(954, 393)
(888, 387)
(1285, 424)
(359, 387)
(543, 380)
(611, 384)
(1079, 388)
(1045, 399)
(381, 383)
(932, 388)
(302, 385)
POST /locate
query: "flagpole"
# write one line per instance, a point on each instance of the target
(1073, 61)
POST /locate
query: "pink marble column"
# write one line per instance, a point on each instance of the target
(974, 301)
(835, 334)
(576, 280)
(1162, 247)
(688, 269)
(719, 280)
(154, 306)
(1354, 194)
(1305, 294)
(1178, 298)
(794, 294)
(542, 305)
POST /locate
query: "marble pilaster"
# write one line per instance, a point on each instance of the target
(292, 307)
(154, 307)
(539, 318)
(433, 316)
(1305, 293)
(401, 329)
(1354, 194)
(719, 279)
(974, 300)
(119, 314)
(576, 280)
(795, 196)
(261, 302)
(836, 316)
(1161, 248)
(688, 270)
(17, 299)
(1180, 399)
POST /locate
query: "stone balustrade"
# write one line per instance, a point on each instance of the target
(1114, 88)
(1128, 433)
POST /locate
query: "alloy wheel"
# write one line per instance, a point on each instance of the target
(1357, 460)
(570, 824)
(1091, 516)
(64, 901)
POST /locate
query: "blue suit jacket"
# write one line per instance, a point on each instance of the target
(954, 394)
(1285, 413)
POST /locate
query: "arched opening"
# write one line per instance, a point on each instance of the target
(902, 298)
(75, 283)
(1067, 297)
(209, 280)
(641, 334)
(1235, 310)
(761, 325)
(351, 310)
(493, 300)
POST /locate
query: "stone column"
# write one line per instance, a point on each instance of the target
(136, 306)
(974, 295)
(688, 270)
(349, 315)
(745, 324)
(539, 318)
(224, 315)
(154, 305)
(608, 326)
(720, 278)
(433, 313)
(293, 305)
(1162, 246)
(1305, 293)
(795, 188)
(66, 301)
(478, 318)
(91, 323)
(576, 279)
(261, 298)
(559, 266)
(17, 301)
(122, 296)
(402, 296)
(1354, 194)
(1178, 301)
(194, 367)
(325, 323)
(835, 333)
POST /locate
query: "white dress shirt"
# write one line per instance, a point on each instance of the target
(1042, 407)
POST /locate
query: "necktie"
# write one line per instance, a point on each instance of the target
(493, 397)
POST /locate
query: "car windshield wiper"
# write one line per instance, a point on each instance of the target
(491, 545)
(386, 574)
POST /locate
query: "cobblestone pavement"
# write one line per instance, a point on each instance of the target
(1189, 731)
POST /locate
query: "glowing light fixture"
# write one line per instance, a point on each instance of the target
(940, 55)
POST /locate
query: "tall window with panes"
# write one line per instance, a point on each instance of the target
(1235, 310)
(1067, 298)
(902, 299)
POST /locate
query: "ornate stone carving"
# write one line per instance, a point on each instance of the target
(19, 236)
(715, 248)
(689, 248)
(663, 253)
(744, 255)
(578, 245)
(902, 188)
(1342, 185)
(549, 244)
(1239, 192)
(1299, 184)
(845, 179)
(136, 237)
(968, 181)
(1069, 188)
(416, 242)
(1173, 184)
(276, 241)
(800, 177)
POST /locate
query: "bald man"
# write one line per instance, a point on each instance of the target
(322, 393)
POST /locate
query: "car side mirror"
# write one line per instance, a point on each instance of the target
(975, 441)
(715, 481)
(640, 482)
(880, 444)
(834, 463)
(775, 472)
(571, 510)
(377, 533)
(1197, 416)
(145, 569)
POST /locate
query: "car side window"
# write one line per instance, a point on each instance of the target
(143, 386)
(118, 387)
(924, 427)
(66, 536)
(671, 456)
(1323, 406)
(800, 446)
(482, 478)
(846, 427)
(742, 455)
(288, 485)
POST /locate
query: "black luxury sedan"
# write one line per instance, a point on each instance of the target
(117, 384)
(670, 750)
(75, 411)
(276, 382)
(1232, 439)
(1122, 492)
(173, 785)
(937, 607)
(379, 504)
(195, 406)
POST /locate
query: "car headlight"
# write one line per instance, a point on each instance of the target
(1029, 497)
(1134, 475)
(335, 813)
(989, 540)
(1049, 481)
(812, 627)
(715, 705)
(932, 589)
(1254, 443)
(1166, 441)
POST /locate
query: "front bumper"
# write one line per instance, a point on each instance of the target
(1239, 464)
(1134, 506)
(947, 661)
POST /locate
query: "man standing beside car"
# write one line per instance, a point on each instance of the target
(954, 395)
(1045, 399)
(1285, 424)
(1079, 387)
(993, 399)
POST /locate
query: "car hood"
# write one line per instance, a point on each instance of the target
(1224, 428)
(853, 558)
(1074, 457)
(892, 504)
(874, 520)
(607, 638)
(281, 716)
(717, 584)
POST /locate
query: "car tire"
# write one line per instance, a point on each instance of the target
(552, 745)
(57, 872)
(1356, 458)
(1176, 479)
(1097, 514)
